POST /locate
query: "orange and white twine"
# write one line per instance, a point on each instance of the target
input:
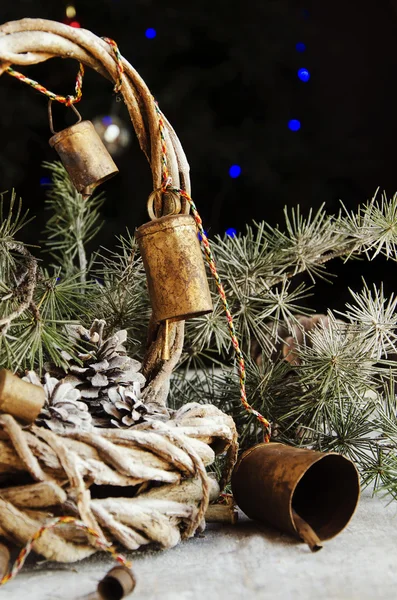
(119, 63)
(69, 100)
(167, 186)
(96, 540)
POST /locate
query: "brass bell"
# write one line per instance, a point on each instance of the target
(83, 154)
(311, 495)
(21, 399)
(175, 271)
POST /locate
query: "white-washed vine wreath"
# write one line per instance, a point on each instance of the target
(162, 465)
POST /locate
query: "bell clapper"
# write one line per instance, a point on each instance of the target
(307, 534)
(165, 352)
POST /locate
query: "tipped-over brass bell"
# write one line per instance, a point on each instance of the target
(83, 154)
(309, 494)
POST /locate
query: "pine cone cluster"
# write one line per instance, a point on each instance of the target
(108, 380)
(103, 390)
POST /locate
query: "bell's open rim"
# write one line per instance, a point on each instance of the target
(90, 189)
(316, 461)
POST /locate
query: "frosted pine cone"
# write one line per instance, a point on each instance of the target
(290, 338)
(63, 408)
(124, 405)
(109, 380)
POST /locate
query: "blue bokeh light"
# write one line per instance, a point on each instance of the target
(107, 120)
(150, 33)
(231, 232)
(303, 75)
(235, 171)
(45, 181)
(300, 47)
(294, 125)
(200, 237)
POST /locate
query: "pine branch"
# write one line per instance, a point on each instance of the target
(31, 341)
(337, 394)
(25, 288)
(62, 297)
(376, 317)
(121, 292)
(74, 223)
(12, 220)
(373, 229)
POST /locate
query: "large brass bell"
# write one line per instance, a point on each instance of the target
(83, 154)
(174, 266)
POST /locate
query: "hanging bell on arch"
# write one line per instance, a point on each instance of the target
(83, 154)
(174, 265)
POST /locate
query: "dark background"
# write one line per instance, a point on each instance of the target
(225, 74)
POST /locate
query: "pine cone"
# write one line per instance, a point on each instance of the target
(298, 337)
(289, 339)
(125, 406)
(109, 381)
(62, 409)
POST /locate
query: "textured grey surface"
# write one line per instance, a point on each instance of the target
(245, 561)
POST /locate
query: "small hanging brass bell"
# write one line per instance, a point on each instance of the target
(309, 494)
(174, 266)
(83, 154)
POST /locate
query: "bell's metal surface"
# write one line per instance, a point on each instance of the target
(283, 486)
(174, 266)
(84, 156)
(21, 399)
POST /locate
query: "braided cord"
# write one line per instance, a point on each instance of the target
(167, 186)
(119, 63)
(69, 100)
(96, 541)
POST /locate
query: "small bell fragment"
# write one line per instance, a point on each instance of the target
(165, 353)
(222, 512)
(117, 584)
(18, 398)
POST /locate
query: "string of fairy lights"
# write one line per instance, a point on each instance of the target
(115, 134)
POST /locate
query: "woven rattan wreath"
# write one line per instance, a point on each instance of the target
(161, 466)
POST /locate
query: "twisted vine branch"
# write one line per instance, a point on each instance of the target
(32, 41)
